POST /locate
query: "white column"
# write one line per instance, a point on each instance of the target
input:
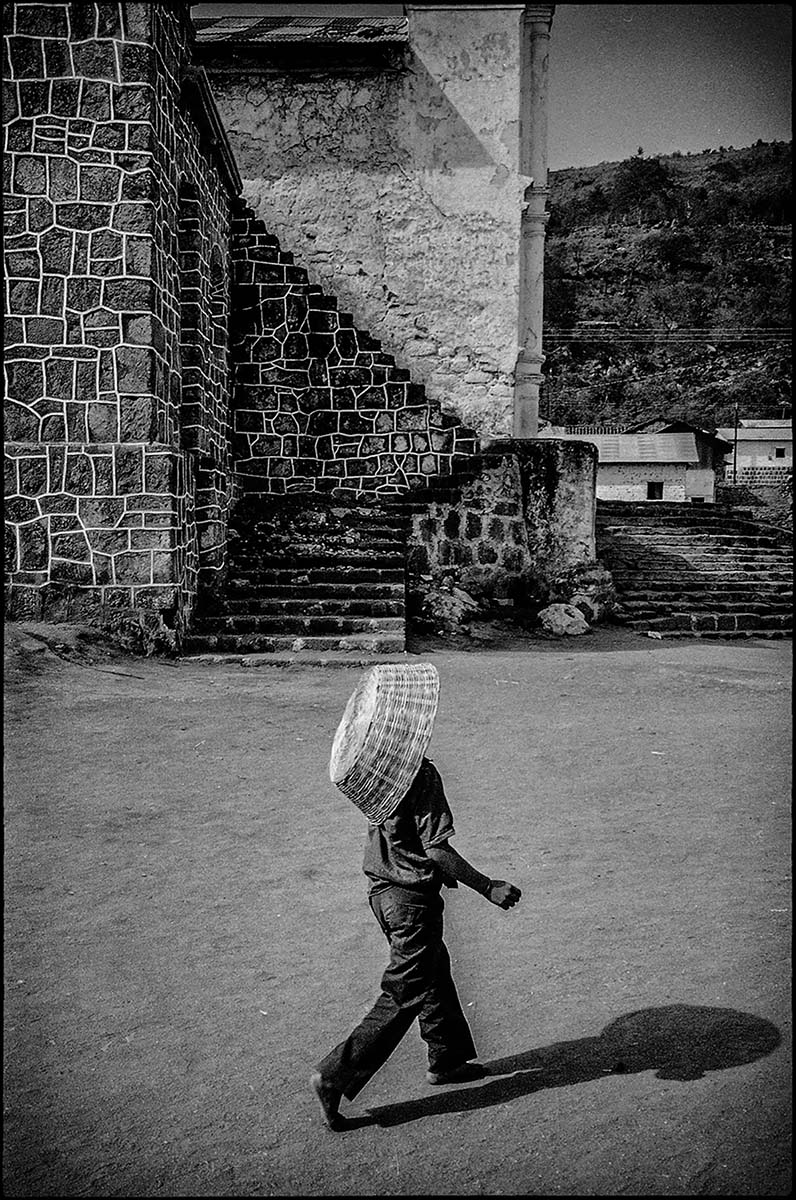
(534, 48)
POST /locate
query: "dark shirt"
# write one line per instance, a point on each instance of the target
(395, 850)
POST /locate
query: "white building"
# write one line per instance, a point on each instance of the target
(762, 454)
(678, 466)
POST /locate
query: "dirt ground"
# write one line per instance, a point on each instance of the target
(187, 931)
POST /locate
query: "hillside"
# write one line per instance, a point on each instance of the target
(667, 288)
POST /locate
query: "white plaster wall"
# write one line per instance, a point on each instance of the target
(400, 193)
(628, 481)
(699, 481)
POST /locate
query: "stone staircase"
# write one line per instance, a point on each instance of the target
(703, 570)
(308, 574)
(330, 438)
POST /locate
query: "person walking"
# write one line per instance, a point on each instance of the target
(379, 762)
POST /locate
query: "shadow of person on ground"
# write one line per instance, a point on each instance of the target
(679, 1042)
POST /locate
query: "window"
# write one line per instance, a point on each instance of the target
(779, 452)
(654, 490)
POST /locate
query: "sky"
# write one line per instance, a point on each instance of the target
(662, 77)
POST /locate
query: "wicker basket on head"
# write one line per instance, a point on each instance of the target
(384, 733)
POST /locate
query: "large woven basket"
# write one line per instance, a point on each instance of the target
(384, 733)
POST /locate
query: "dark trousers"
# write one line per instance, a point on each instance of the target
(417, 983)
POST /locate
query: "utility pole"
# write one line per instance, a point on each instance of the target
(735, 446)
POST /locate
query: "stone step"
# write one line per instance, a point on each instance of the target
(332, 573)
(282, 624)
(253, 643)
(703, 542)
(724, 634)
(276, 605)
(378, 592)
(716, 621)
(636, 606)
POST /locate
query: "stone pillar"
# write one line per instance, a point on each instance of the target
(535, 37)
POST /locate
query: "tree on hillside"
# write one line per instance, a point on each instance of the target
(643, 188)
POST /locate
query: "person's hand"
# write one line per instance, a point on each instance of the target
(504, 895)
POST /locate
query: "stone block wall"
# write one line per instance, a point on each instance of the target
(104, 486)
(317, 405)
(524, 520)
(398, 186)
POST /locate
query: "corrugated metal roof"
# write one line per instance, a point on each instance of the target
(262, 30)
(759, 433)
(638, 447)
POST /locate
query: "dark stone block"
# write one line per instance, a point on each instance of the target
(59, 378)
(32, 476)
(133, 102)
(13, 331)
(411, 418)
(95, 101)
(129, 470)
(104, 514)
(20, 510)
(83, 20)
(141, 137)
(473, 526)
(95, 59)
(83, 216)
(56, 247)
(103, 423)
(53, 429)
(109, 22)
(138, 255)
(41, 215)
(33, 547)
(346, 343)
(83, 294)
(129, 295)
(34, 98)
(25, 382)
(63, 179)
(106, 541)
(79, 475)
(53, 295)
(420, 443)
(65, 97)
(497, 530)
(23, 263)
(23, 296)
(56, 58)
(76, 430)
(42, 20)
(349, 377)
(136, 217)
(159, 474)
(324, 422)
(137, 63)
(11, 110)
(71, 545)
(30, 175)
(137, 415)
(139, 186)
(399, 444)
(70, 572)
(100, 184)
(110, 137)
(27, 59)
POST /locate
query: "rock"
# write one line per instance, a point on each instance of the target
(563, 620)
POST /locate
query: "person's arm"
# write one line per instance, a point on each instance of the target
(451, 864)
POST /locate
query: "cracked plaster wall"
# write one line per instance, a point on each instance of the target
(399, 190)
